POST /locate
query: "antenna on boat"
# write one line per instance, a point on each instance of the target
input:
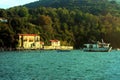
(102, 41)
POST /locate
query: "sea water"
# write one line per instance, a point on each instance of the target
(53, 65)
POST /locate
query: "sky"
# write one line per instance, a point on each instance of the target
(11, 3)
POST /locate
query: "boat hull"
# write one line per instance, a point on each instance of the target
(98, 49)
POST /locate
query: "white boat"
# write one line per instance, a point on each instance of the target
(98, 47)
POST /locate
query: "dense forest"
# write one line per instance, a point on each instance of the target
(73, 22)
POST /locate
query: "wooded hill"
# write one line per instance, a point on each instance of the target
(91, 6)
(74, 22)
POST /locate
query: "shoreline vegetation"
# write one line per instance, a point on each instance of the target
(75, 22)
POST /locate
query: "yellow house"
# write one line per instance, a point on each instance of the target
(29, 41)
(55, 42)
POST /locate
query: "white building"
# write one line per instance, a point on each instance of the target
(3, 20)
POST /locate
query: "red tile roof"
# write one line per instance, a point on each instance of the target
(54, 40)
(41, 42)
(28, 34)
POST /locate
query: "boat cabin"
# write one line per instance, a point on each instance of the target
(98, 45)
(91, 45)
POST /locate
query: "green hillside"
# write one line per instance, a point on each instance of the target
(74, 22)
(90, 6)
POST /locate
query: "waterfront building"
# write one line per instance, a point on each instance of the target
(55, 44)
(29, 41)
(3, 20)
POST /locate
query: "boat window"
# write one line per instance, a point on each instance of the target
(91, 46)
(85, 46)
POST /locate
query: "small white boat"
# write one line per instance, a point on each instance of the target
(98, 47)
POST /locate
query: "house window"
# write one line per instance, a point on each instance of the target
(30, 40)
(37, 39)
(25, 40)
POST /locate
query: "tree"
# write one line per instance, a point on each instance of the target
(6, 37)
(44, 20)
(17, 25)
(3, 13)
(23, 12)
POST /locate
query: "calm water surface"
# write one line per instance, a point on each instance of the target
(53, 65)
